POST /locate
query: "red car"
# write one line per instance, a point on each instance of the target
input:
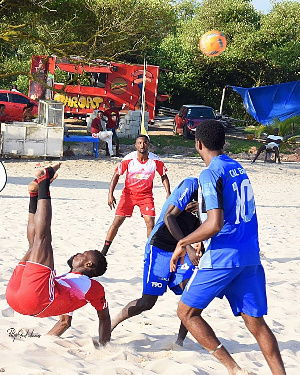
(15, 102)
(188, 118)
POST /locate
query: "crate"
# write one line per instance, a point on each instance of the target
(31, 139)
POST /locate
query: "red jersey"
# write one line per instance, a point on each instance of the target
(113, 117)
(33, 289)
(96, 125)
(81, 290)
(140, 174)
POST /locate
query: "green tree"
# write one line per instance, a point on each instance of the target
(103, 29)
(261, 50)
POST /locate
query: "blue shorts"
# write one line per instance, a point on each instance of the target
(157, 275)
(244, 287)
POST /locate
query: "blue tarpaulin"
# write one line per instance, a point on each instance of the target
(265, 103)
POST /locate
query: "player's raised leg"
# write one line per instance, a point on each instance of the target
(33, 188)
(41, 251)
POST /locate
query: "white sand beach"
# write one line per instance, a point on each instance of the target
(143, 345)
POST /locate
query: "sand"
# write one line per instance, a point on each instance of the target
(143, 345)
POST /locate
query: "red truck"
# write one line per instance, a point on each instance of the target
(89, 86)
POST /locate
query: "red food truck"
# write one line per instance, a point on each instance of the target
(86, 86)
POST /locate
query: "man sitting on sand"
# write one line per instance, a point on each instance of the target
(34, 289)
(177, 219)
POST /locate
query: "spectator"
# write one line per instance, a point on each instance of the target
(113, 117)
(98, 129)
(272, 143)
(27, 112)
(14, 88)
(2, 113)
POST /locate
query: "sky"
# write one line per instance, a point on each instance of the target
(264, 5)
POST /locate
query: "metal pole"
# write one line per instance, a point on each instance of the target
(222, 100)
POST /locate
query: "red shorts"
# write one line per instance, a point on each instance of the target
(32, 289)
(128, 201)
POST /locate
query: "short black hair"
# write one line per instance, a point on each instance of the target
(29, 105)
(211, 133)
(142, 136)
(100, 266)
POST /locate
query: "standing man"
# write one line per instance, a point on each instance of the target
(113, 119)
(34, 289)
(98, 130)
(231, 265)
(178, 218)
(140, 166)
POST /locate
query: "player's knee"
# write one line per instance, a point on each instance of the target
(254, 325)
(180, 313)
(146, 303)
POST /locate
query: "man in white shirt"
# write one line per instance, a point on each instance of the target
(272, 143)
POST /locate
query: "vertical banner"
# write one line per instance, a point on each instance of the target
(39, 70)
(143, 129)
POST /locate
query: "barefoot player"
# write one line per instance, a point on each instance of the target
(231, 264)
(177, 219)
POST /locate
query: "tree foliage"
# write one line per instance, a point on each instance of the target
(260, 51)
(106, 29)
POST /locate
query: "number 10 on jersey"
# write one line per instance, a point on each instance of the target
(245, 205)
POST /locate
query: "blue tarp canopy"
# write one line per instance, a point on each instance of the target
(265, 103)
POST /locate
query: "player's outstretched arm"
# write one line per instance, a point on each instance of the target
(104, 326)
(61, 326)
(165, 181)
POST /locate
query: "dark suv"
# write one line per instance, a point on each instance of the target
(15, 102)
(188, 118)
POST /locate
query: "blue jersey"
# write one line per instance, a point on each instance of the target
(224, 184)
(184, 193)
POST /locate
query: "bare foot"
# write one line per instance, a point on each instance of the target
(34, 186)
(40, 172)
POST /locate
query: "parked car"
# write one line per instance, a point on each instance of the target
(15, 102)
(188, 118)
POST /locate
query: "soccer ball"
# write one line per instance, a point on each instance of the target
(213, 43)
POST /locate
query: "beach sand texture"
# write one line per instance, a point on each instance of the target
(143, 345)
